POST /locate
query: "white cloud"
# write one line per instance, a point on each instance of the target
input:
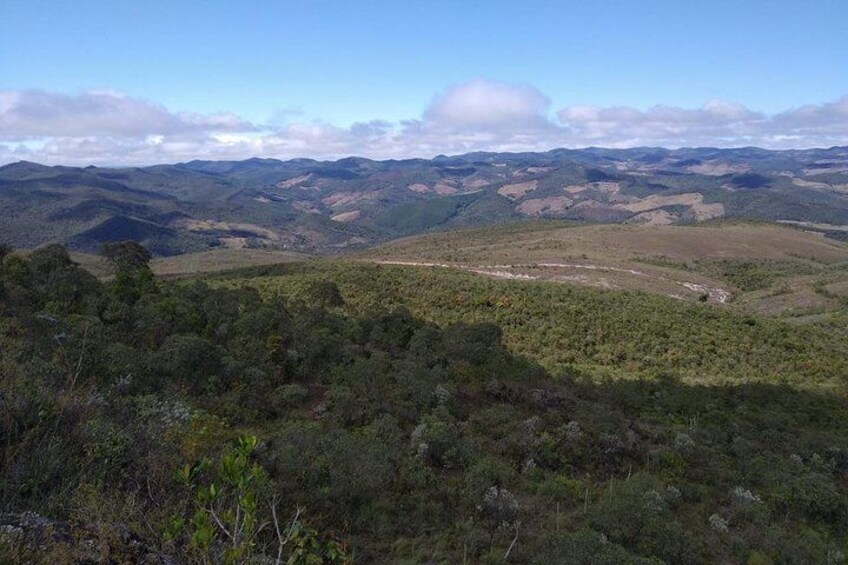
(487, 104)
(481, 115)
(715, 123)
(33, 114)
(813, 120)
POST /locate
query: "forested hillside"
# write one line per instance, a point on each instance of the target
(323, 420)
(335, 206)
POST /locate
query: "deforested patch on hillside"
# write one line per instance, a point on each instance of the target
(695, 202)
(544, 206)
(518, 190)
(298, 199)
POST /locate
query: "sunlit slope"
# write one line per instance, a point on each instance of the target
(718, 262)
(585, 330)
(201, 262)
(552, 241)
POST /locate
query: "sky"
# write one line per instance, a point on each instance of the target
(132, 83)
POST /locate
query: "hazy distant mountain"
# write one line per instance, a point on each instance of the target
(326, 206)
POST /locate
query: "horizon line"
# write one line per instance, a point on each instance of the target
(439, 156)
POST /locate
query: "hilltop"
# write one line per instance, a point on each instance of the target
(772, 269)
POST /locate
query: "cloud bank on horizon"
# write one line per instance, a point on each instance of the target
(113, 128)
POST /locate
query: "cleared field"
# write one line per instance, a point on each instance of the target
(222, 259)
(552, 241)
(745, 263)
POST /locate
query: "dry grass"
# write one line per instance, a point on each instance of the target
(554, 241)
(518, 190)
(221, 260)
(657, 259)
(202, 262)
(214, 225)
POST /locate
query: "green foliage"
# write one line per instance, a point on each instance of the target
(585, 547)
(131, 264)
(126, 256)
(416, 217)
(386, 437)
(749, 275)
(570, 329)
(324, 293)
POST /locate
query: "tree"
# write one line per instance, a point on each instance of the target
(126, 256)
(133, 277)
(325, 294)
(47, 260)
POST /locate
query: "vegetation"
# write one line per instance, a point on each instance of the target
(319, 206)
(208, 422)
(579, 331)
(743, 264)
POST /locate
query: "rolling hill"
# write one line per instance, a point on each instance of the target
(768, 268)
(332, 207)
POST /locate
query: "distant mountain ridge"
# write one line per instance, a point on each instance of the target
(331, 206)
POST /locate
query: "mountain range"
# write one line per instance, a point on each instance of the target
(334, 206)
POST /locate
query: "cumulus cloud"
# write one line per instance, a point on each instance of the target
(33, 114)
(716, 122)
(109, 128)
(812, 120)
(489, 105)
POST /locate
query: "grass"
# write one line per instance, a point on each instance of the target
(751, 262)
(551, 240)
(222, 259)
(200, 262)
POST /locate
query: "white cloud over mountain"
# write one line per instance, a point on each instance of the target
(100, 127)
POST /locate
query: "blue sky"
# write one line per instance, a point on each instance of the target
(321, 64)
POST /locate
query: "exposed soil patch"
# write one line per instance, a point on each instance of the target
(515, 191)
(419, 187)
(653, 218)
(345, 198)
(293, 181)
(346, 216)
(539, 206)
(444, 189)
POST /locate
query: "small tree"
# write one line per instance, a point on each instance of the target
(131, 263)
(126, 256)
(325, 294)
(233, 506)
(499, 510)
(49, 260)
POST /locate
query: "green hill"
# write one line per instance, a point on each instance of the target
(584, 331)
